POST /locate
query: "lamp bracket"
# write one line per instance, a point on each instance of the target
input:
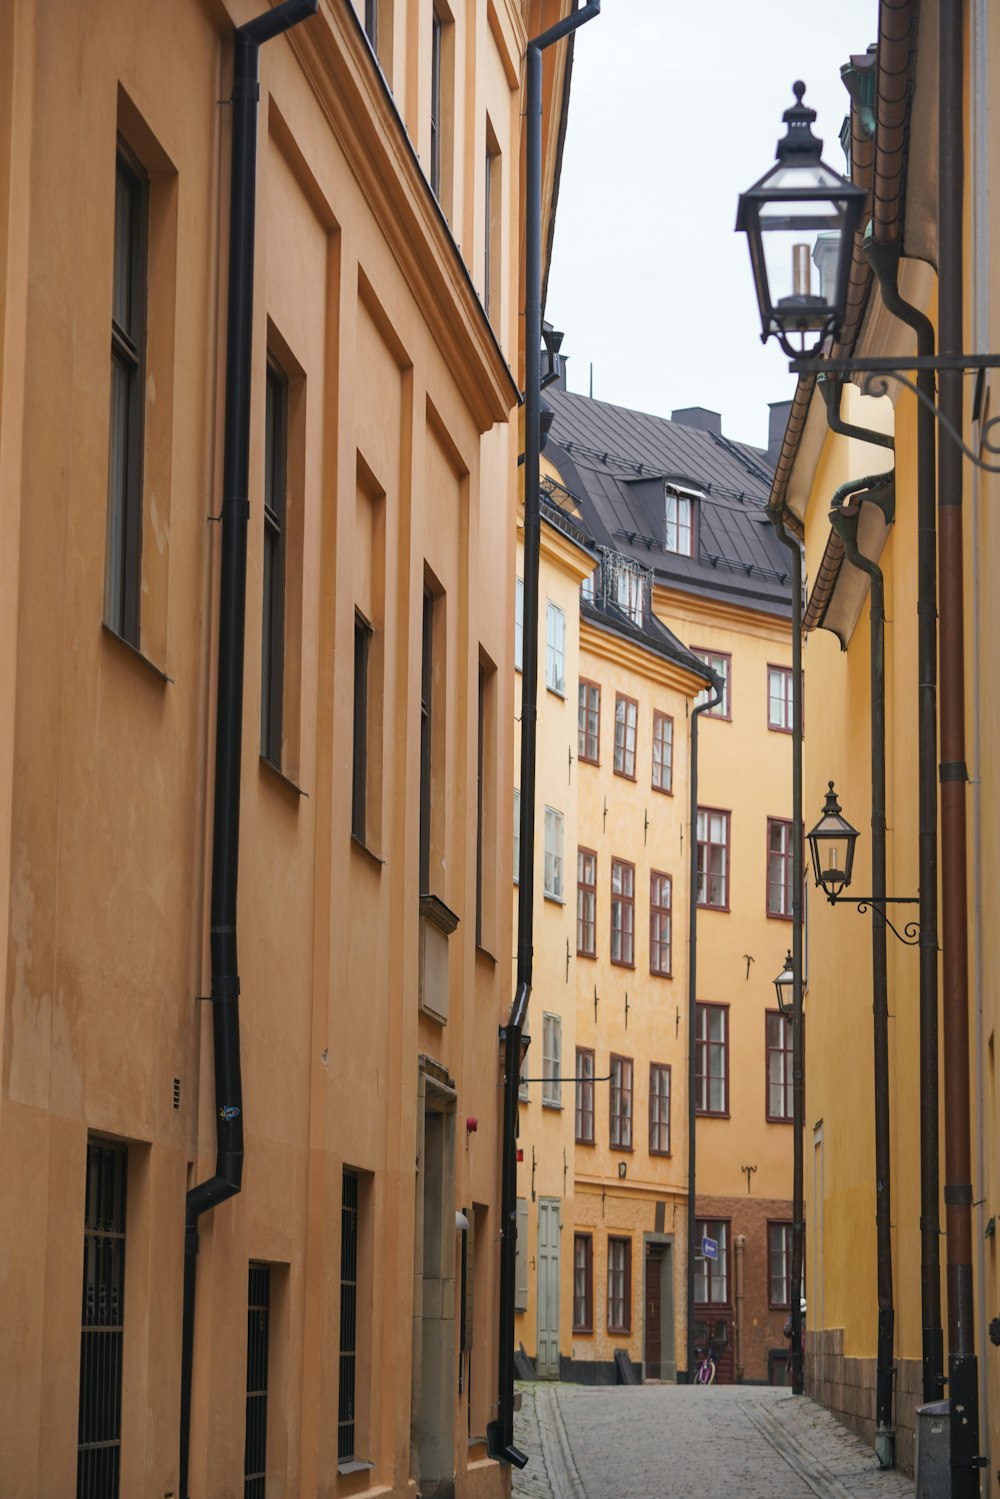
(878, 372)
(910, 935)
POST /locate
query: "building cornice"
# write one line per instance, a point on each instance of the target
(632, 657)
(335, 58)
(670, 602)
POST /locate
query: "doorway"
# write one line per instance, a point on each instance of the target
(659, 1356)
(548, 1288)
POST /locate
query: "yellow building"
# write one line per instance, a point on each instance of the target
(356, 439)
(691, 580)
(932, 1189)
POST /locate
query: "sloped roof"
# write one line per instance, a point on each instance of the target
(616, 463)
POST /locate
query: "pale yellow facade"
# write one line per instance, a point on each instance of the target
(369, 1043)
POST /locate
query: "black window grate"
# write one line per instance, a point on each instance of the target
(100, 1423)
(348, 1317)
(258, 1331)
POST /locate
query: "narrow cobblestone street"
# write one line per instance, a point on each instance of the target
(676, 1442)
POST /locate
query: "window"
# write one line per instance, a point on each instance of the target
(779, 1264)
(258, 1340)
(346, 1432)
(359, 788)
(663, 752)
(779, 699)
(519, 624)
(553, 885)
(779, 868)
(426, 739)
(517, 836)
(555, 649)
(659, 1108)
(588, 588)
(713, 858)
(486, 804)
(678, 535)
(621, 1103)
(629, 593)
(711, 1277)
(722, 665)
(583, 1282)
(273, 613)
(523, 1089)
(623, 913)
(493, 211)
(123, 580)
(584, 1096)
(521, 1256)
(436, 121)
(589, 722)
(619, 1285)
(626, 718)
(778, 1038)
(552, 1060)
(103, 1331)
(711, 1085)
(586, 902)
(659, 923)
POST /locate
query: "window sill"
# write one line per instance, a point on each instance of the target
(662, 1155)
(775, 728)
(556, 691)
(778, 1119)
(583, 1332)
(585, 1142)
(369, 853)
(591, 955)
(357, 1465)
(663, 790)
(550, 1103)
(623, 775)
(619, 1332)
(282, 780)
(654, 973)
(557, 900)
(703, 905)
(779, 916)
(623, 1149)
(484, 952)
(133, 650)
(621, 963)
(434, 908)
(711, 1113)
(586, 760)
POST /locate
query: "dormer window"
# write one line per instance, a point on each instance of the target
(679, 531)
(629, 593)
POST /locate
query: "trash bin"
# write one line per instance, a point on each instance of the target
(933, 1463)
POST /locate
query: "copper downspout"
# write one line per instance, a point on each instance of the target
(962, 1366)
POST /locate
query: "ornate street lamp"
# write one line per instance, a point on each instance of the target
(800, 219)
(831, 844)
(784, 988)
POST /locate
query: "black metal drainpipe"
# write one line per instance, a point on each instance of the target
(500, 1433)
(229, 710)
(845, 523)
(885, 263)
(713, 702)
(798, 1029)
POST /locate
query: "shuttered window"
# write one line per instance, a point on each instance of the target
(100, 1418)
(258, 1341)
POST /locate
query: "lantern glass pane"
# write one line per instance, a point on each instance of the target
(801, 247)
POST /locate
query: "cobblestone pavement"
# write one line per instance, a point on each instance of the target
(681, 1442)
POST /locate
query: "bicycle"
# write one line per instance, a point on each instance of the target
(705, 1373)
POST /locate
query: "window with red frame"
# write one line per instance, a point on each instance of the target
(779, 1265)
(621, 1103)
(584, 1096)
(711, 1277)
(626, 721)
(778, 1038)
(779, 699)
(589, 722)
(711, 1059)
(659, 1108)
(619, 1285)
(659, 923)
(583, 1282)
(779, 867)
(622, 913)
(586, 902)
(663, 752)
(713, 858)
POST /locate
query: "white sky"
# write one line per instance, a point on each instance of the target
(675, 109)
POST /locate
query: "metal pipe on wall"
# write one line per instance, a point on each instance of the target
(227, 1178)
(885, 262)
(500, 1433)
(739, 1247)
(963, 1378)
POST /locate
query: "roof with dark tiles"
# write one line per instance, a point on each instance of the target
(616, 463)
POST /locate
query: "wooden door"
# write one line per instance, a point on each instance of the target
(548, 1288)
(652, 1352)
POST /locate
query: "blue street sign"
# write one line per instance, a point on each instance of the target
(709, 1248)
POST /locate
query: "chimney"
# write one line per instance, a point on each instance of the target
(700, 418)
(777, 422)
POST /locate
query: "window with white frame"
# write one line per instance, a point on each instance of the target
(779, 1264)
(553, 884)
(779, 867)
(711, 1277)
(626, 721)
(519, 624)
(721, 663)
(678, 534)
(555, 649)
(588, 588)
(663, 752)
(552, 1060)
(629, 593)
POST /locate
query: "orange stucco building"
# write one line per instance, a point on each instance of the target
(344, 1322)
